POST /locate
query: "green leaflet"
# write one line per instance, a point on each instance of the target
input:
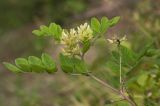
(48, 62)
(72, 65)
(44, 29)
(66, 64)
(80, 66)
(100, 27)
(36, 64)
(23, 64)
(53, 30)
(104, 24)
(86, 46)
(142, 79)
(12, 67)
(114, 21)
(95, 25)
(37, 32)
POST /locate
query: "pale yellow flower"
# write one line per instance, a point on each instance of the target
(70, 42)
(85, 32)
(73, 39)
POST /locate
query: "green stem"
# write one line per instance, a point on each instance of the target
(120, 66)
(120, 63)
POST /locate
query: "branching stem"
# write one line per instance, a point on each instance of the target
(122, 90)
(122, 93)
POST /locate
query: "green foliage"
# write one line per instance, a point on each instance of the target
(142, 79)
(53, 30)
(113, 66)
(36, 64)
(95, 25)
(12, 67)
(100, 27)
(23, 64)
(48, 62)
(86, 46)
(114, 21)
(33, 64)
(128, 56)
(73, 65)
(104, 24)
(145, 50)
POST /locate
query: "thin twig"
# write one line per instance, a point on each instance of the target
(104, 83)
(120, 65)
(122, 87)
(120, 61)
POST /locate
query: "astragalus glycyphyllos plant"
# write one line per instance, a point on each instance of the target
(75, 44)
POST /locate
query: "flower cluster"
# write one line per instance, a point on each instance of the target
(73, 39)
(84, 32)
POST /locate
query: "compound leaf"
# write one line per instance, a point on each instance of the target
(53, 30)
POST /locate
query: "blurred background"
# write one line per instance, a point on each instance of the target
(140, 21)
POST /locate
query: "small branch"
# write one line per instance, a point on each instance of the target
(104, 83)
